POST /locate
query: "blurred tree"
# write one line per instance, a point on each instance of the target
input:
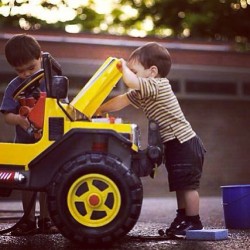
(224, 20)
(49, 14)
(213, 19)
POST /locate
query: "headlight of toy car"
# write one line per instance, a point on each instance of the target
(135, 135)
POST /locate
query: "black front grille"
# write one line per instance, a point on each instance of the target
(56, 128)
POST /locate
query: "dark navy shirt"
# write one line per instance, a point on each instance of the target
(9, 105)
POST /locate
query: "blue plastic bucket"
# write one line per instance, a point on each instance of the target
(236, 206)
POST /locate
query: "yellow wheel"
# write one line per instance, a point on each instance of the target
(94, 200)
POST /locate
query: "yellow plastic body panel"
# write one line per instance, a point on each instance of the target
(97, 88)
(86, 102)
(20, 155)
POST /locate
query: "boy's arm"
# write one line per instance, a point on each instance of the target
(117, 103)
(16, 119)
(129, 78)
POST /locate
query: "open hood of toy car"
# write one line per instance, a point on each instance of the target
(92, 95)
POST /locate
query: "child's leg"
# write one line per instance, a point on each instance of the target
(184, 165)
(45, 224)
(26, 199)
(192, 218)
(180, 200)
(188, 199)
(180, 216)
(44, 213)
(28, 227)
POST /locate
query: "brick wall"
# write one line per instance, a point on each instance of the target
(183, 52)
(222, 124)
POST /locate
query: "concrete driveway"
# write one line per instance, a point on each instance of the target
(156, 213)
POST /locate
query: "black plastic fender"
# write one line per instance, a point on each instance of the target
(71, 145)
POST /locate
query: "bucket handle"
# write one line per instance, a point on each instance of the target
(228, 203)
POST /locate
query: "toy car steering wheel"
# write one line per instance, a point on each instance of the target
(29, 84)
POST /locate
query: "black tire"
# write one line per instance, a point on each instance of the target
(95, 199)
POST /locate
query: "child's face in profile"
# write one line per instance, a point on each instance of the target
(137, 68)
(26, 70)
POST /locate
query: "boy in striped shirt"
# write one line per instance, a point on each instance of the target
(145, 75)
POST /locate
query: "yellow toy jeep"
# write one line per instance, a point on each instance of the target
(89, 167)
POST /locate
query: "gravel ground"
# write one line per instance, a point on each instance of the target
(156, 213)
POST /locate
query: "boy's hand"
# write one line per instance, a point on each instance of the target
(119, 66)
(129, 77)
(98, 113)
(16, 119)
(23, 122)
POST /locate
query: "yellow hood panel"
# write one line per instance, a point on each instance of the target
(97, 88)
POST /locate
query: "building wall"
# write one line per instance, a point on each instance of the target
(224, 128)
(211, 82)
(199, 70)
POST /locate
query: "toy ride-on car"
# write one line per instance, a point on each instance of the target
(89, 167)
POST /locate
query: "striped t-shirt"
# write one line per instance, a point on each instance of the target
(159, 103)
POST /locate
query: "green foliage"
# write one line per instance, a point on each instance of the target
(213, 19)
(86, 16)
(225, 20)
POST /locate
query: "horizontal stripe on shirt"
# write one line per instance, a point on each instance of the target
(158, 102)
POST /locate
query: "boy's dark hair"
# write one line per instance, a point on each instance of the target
(153, 54)
(21, 49)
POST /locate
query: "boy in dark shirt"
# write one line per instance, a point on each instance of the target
(23, 53)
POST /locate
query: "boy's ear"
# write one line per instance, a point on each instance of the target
(153, 71)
